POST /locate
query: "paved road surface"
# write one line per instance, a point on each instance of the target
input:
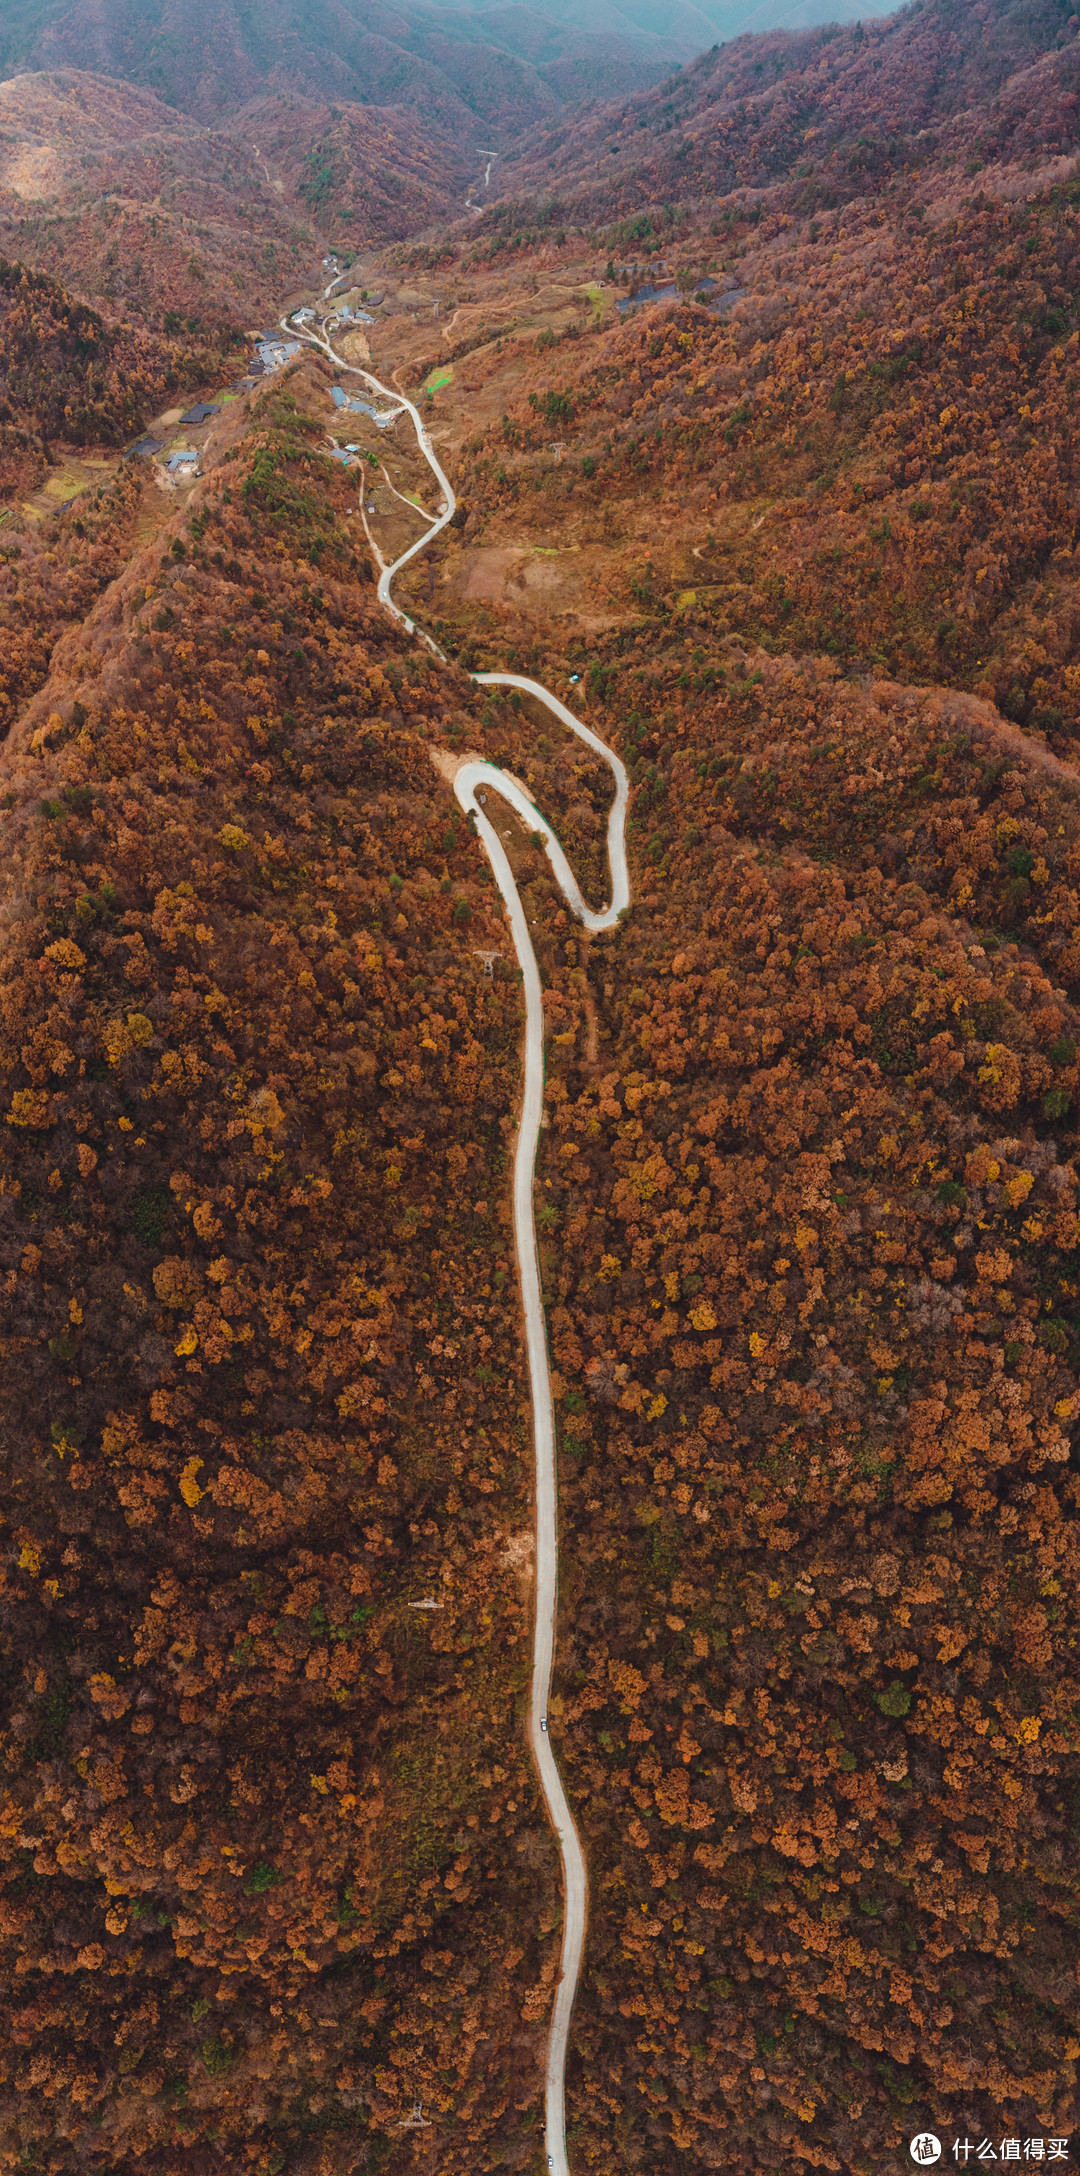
(468, 779)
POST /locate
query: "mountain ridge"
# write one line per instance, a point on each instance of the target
(210, 60)
(930, 66)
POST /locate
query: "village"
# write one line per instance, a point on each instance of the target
(355, 320)
(176, 443)
(455, 348)
(182, 441)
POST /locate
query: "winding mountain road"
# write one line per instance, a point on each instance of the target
(468, 779)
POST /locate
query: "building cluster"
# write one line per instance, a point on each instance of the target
(181, 461)
(272, 350)
(355, 404)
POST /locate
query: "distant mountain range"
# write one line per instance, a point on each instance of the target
(499, 68)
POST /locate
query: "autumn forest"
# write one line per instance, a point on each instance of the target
(756, 387)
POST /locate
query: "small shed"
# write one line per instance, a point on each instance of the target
(145, 446)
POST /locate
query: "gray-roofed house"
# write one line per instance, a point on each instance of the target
(201, 412)
(146, 446)
(273, 354)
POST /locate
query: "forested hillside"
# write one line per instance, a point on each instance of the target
(836, 109)
(812, 1262)
(67, 374)
(141, 210)
(261, 1384)
(898, 490)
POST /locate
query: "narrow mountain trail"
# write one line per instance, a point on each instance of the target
(470, 779)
